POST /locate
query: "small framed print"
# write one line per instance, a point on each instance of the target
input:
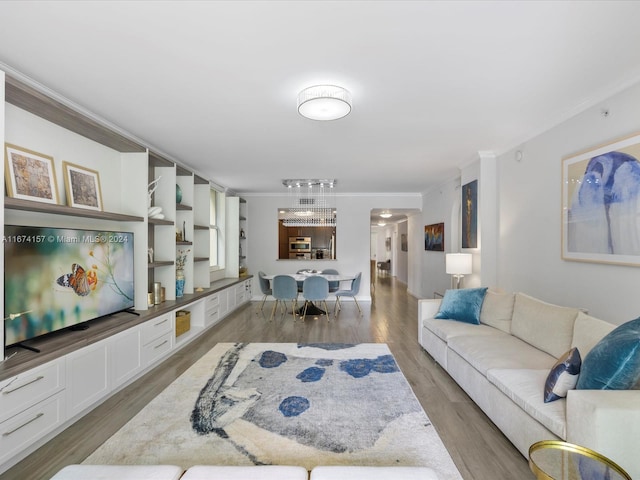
(83, 187)
(30, 175)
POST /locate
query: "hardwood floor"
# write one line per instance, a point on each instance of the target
(477, 447)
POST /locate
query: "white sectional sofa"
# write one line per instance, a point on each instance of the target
(263, 472)
(503, 363)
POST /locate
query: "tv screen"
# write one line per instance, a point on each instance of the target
(55, 278)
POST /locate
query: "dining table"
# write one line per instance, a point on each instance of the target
(313, 309)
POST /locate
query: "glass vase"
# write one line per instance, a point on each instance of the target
(179, 282)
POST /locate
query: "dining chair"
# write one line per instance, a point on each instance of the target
(333, 286)
(352, 292)
(265, 287)
(303, 270)
(284, 288)
(315, 289)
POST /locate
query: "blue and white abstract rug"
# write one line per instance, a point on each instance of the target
(284, 404)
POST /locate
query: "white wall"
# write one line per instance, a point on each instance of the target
(353, 234)
(530, 217)
(440, 205)
(525, 237)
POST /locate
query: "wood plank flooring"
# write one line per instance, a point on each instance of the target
(477, 447)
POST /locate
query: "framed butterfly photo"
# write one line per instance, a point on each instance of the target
(83, 187)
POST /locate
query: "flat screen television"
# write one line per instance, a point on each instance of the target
(57, 278)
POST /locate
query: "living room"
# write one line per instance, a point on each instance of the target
(520, 208)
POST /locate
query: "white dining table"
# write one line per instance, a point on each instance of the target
(314, 310)
(300, 277)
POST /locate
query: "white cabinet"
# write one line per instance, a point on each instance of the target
(212, 310)
(29, 388)
(125, 356)
(22, 430)
(87, 377)
(157, 336)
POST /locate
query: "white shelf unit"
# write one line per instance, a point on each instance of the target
(201, 234)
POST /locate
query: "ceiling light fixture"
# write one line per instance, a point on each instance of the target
(311, 203)
(324, 102)
(385, 215)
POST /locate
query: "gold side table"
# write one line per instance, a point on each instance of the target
(557, 460)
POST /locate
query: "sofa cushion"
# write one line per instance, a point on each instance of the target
(372, 473)
(462, 305)
(524, 387)
(588, 331)
(446, 329)
(543, 325)
(119, 472)
(497, 310)
(614, 363)
(499, 351)
(259, 472)
(563, 376)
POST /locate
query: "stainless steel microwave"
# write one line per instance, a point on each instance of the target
(299, 244)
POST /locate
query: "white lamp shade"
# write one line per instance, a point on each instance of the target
(459, 263)
(324, 102)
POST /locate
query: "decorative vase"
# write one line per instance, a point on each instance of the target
(179, 282)
(178, 194)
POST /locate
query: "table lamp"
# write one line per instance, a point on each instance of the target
(458, 265)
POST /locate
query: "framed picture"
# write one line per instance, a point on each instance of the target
(30, 175)
(387, 243)
(83, 187)
(601, 204)
(434, 237)
(470, 215)
(404, 246)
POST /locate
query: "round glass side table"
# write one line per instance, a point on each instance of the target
(557, 460)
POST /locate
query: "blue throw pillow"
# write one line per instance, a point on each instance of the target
(614, 363)
(563, 376)
(463, 305)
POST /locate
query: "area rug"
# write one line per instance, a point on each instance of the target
(284, 404)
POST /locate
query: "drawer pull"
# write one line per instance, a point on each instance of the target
(161, 344)
(7, 392)
(161, 322)
(6, 434)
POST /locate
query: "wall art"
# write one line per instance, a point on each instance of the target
(83, 187)
(30, 175)
(434, 237)
(601, 204)
(470, 215)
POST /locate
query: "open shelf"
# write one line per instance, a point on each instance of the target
(160, 221)
(180, 206)
(31, 206)
(163, 263)
(201, 259)
(200, 227)
(184, 243)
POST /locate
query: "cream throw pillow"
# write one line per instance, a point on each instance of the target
(544, 325)
(497, 310)
(588, 331)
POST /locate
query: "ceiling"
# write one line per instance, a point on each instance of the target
(213, 84)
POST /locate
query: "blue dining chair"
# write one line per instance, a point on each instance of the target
(333, 286)
(284, 288)
(265, 287)
(315, 289)
(352, 292)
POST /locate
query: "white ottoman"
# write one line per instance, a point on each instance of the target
(119, 472)
(261, 472)
(372, 473)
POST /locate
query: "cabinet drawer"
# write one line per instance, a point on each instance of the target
(28, 388)
(27, 427)
(155, 327)
(213, 301)
(157, 348)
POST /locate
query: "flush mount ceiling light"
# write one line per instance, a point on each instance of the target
(385, 215)
(324, 102)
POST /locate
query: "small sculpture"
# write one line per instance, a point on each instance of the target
(152, 188)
